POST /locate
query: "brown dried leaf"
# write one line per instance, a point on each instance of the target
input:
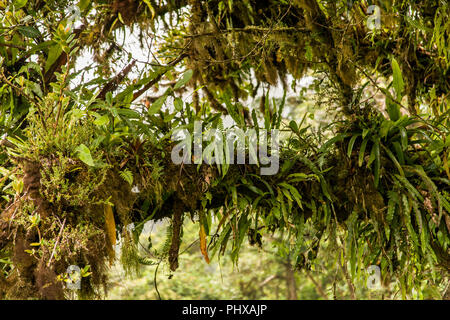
(203, 245)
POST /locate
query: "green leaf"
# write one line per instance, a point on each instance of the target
(255, 123)
(365, 133)
(351, 144)
(109, 98)
(324, 187)
(376, 170)
(178, 104)
(19, 3)
(185, 79)
(53, 54)
(393, 109)
(127, 175)
(157, 105)
(128, 113)
(392, 204)
(394, 159)
(83, 4)
(399, 152)
(404, 138)
(399, 85)
(255, 189)
(294, 192)
(101, 121)
(287, 194)
(149, 5)
(333, 140)
(303, 177)
(29, 32)
(280, 110)
(415, 194)
(234, 111)
(265, 183)
(385, 128)
(362, 152)
(294, 127)
(372, 156)
(84, 154)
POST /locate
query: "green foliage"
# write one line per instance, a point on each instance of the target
(82, 157)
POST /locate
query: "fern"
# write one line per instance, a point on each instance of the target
(127, 175)
(168, 241)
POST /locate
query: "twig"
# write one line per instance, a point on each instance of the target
(12, 46)
(155, 282)
(247, 29)
(154, 81)
(56, 243)
(267, 280)
(112, 85)
(349, 282)
(318, 286)
(263, 39)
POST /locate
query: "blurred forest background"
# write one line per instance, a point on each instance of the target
(262, 273)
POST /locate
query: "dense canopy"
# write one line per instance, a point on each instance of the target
(92, 92)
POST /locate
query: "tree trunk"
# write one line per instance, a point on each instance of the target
(291, 284)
